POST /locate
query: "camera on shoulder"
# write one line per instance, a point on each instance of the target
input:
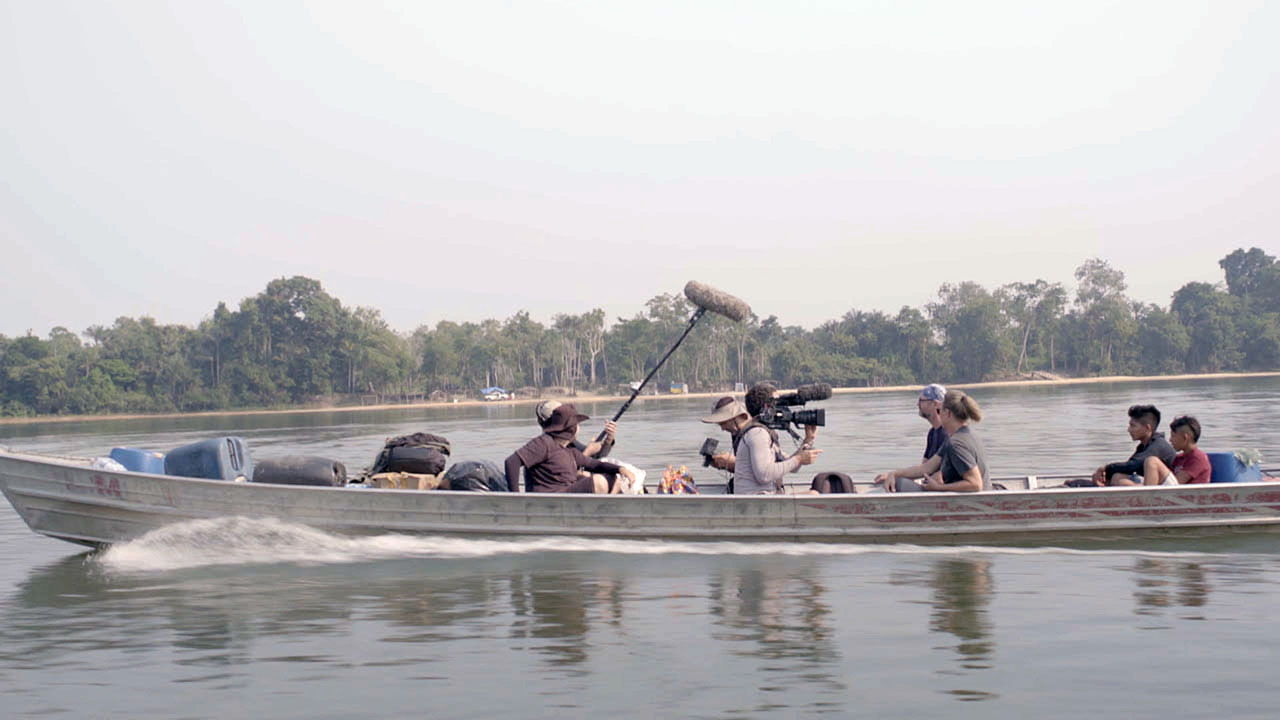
(779, 414)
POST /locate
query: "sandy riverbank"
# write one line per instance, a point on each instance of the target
(621, 398)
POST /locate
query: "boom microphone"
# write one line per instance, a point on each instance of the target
(815, 391)
(803, 394)
(718, 302)
(705, 298)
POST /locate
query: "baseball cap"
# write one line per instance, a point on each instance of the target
(933, 391)
(544, 410)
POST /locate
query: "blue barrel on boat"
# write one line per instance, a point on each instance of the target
(144, 461)
(1228, 468)
(224, 458)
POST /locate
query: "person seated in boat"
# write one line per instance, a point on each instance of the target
(1143, 421)
(960, 465)
(1190, 465)
(551, 463)
(593, 449)
(758, 398)
(929, 405)
(758, 465)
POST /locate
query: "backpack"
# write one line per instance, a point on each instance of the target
(420, 453)
(832, 482)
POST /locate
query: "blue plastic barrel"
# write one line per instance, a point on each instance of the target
(224, 458)
(144, 461)
(1228, 468)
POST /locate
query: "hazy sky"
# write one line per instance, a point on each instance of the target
(466, 160)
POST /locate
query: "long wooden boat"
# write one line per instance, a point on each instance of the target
(69, 499)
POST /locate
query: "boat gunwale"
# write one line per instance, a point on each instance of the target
(83, 463)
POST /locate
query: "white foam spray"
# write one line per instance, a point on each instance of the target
(245, 541)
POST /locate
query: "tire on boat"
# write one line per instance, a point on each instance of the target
(301, 470)
(476, 476)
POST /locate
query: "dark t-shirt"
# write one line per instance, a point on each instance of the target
(550, 467)
(933, 441)
(1194, 463)
(962, 451)
(1157, 446)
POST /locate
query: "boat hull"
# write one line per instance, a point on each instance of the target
(70, 500)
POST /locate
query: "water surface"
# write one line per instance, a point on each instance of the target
(236, 618)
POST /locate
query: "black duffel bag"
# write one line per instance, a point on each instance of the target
(476, 476)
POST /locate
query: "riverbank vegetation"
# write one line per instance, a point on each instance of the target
(294, 344)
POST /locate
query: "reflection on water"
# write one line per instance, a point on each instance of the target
(962, 589)
(553, 611)
(1163, 583)
(224, 625)
(217, 618)
(777, 611)
(776, 615)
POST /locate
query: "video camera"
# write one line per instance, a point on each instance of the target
(707, 450)
(779, 415)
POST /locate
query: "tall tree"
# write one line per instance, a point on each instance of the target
(1031, 306)
(975, 329)
(1105, 319)
(1246, 271)
(1209, 317)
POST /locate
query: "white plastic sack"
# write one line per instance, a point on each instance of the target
(106, 463)
(628, 487)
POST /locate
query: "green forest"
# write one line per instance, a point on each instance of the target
(294, 344)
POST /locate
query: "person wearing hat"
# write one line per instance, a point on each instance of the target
(929, 405)
(551, 464)
(758, 464)
(725, 410)
(593, 449)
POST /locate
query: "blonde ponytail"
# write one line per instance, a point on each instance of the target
(963, 407)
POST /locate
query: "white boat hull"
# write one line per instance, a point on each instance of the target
(68, 499)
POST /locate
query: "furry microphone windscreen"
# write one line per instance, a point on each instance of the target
(716, 301)
(814, 391)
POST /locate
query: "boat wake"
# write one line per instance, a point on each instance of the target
(246, 541)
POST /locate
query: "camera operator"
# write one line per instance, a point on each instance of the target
(757, 462)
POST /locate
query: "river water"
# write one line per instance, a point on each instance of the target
(237, 618)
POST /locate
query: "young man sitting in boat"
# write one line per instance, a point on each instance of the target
(1190, 465)
(551, 464)
(1143, 421)
(959, 466)
(758, 465)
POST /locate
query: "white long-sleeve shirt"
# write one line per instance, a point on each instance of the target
(759, 466)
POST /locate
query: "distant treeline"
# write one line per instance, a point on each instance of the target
(293, 343)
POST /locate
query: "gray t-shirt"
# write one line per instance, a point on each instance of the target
(960, 452)
(759, 466)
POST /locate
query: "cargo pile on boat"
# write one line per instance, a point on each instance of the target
(407, 462)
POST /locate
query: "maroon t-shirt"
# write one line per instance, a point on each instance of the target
(1194, 463)
(551, 467)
